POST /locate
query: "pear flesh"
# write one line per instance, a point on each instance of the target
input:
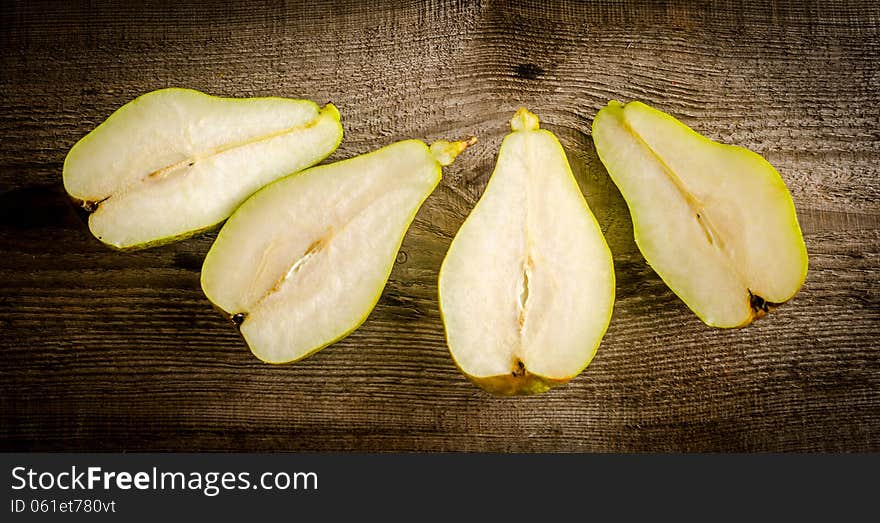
(174, 162)
(303, 262)
(527, 287)
(716, 222)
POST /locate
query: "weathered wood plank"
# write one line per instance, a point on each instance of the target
(107, 350)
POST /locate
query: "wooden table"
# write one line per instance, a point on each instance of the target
(104, 350)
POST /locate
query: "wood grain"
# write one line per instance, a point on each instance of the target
(121, 351)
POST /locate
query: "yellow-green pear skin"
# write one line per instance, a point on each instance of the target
(715, 221)
(174, 162)
(527, 288)
(302, 263)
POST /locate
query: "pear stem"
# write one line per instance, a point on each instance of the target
(524, 120)
(445, 152)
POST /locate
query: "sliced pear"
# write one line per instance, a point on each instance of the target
(302, 263)
(715, 221)
(174, 162)
(527, 287)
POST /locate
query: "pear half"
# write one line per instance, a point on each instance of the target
(715, 221)
(303, 262)
(174, 162)
(527, 287)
